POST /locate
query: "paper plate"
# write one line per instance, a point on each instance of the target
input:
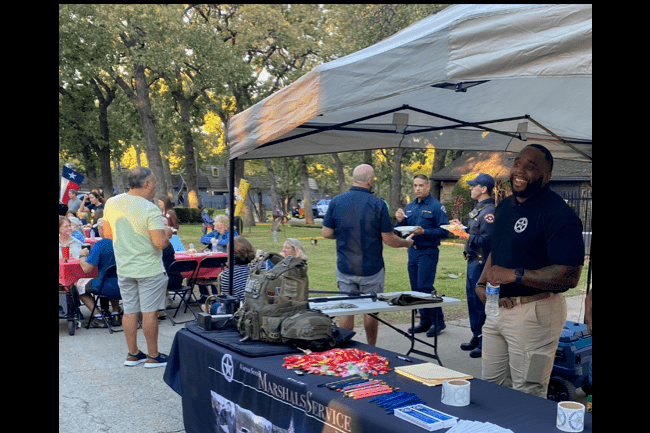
(406, 229)
(452, 227)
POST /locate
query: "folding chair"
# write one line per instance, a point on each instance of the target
(182, 266)
(111, 272)
(209, 263)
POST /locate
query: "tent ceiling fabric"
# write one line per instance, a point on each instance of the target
(523, 66)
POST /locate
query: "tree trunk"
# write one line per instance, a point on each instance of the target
(142, 103)
(272, 182)
(191, 171)
(309, 216)
(396, 180)
(340, 173)
(438, 164)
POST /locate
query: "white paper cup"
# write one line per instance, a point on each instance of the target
(570, 416)
(455, 392)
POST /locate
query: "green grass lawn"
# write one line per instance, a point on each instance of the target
(322, 261)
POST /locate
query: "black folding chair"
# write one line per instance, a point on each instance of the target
(111, 272)
(209, 263)
(182, 266)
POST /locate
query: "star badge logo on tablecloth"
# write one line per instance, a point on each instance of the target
(227, 367)
(521, 224)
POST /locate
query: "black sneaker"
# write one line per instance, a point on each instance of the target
(158, 361)
(116, 319)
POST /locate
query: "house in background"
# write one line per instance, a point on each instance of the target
(568, 177)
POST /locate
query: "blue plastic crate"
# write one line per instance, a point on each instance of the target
(573, 354)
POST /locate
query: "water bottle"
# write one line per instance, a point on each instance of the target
(492, 304)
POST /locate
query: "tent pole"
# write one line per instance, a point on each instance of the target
(318, 129)
(231, 234)
(559, 138)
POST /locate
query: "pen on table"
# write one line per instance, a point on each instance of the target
(403, 358)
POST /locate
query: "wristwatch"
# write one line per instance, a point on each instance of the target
(519, 273)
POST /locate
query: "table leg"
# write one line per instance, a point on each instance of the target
(411, 336)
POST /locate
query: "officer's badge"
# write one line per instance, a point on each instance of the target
(443, 209)
(489, 218)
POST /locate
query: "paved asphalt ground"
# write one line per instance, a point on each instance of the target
(97, 393)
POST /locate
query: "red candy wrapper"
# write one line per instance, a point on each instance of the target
(339, 362)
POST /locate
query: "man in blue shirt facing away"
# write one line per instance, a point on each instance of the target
(359, 222)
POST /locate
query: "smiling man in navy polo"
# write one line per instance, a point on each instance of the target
(360, 223)
(537, 253)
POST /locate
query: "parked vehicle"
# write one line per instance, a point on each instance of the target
(320, 208)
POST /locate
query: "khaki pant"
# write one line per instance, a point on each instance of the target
(519, 344)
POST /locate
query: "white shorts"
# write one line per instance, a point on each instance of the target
(143, 294)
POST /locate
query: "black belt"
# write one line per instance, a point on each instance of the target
(420, 247)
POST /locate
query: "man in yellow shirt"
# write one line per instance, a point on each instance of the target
(135, 225)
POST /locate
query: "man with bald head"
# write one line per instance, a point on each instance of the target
(537, 254)
(360, 223)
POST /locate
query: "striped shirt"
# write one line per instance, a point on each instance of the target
(241, 278)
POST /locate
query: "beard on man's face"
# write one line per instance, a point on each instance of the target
(531, 188)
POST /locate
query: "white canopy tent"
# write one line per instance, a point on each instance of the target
(479, 77)
(476, 77)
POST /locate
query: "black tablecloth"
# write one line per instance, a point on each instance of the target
(261, 394)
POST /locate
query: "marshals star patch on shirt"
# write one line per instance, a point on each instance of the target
(489, 218)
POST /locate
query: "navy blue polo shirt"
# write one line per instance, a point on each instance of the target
(358, 219)
(539, 232)
(480, 229)
(429, 214)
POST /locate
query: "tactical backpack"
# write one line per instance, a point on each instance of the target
(273, 296)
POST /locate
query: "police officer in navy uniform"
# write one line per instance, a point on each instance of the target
(477, 249)
(427, 214)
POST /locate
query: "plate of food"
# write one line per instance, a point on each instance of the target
(451, 227)
(406, 230)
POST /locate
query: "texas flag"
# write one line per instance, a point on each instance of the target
(70, 179)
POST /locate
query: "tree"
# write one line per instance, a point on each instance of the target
(362, 25)
(309, 217)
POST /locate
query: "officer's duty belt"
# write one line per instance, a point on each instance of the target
(423, 247)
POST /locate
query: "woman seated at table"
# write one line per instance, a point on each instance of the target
(102, 256)
(96, 202)
(244, 255)
(220, 235)
(77, 228)
(291, 247)
(67, 240)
